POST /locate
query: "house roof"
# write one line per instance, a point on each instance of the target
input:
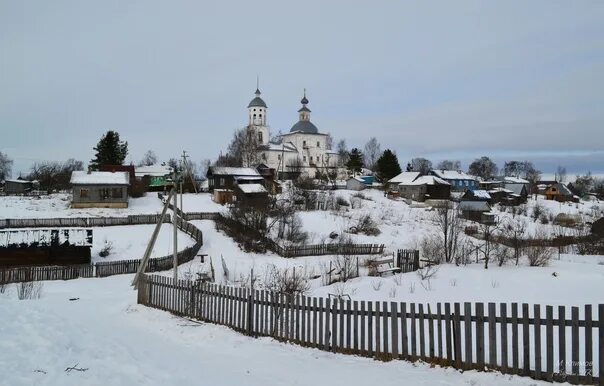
(20, 181)
(230, 171)
(452, 175)
(480, 194)
(252, 188)
(515, 180)
(152, 170)
(562, 189)
(99, 178)
(474, 206)
(516, 188)
(415, 178)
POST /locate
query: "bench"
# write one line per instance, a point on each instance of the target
(385, 266)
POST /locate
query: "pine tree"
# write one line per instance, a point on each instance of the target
(355, 161)
(388, 166)
(109, 151)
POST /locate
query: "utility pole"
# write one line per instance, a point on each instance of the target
(186, 166)
(175, 222)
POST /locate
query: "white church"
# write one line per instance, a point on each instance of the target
(301, 151)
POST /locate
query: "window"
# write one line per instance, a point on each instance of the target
(260, 136)
(304, 158)
(221, 182)
(254, 115)
(83, 193)
(104, 193)
(318, 144)
(117, 193)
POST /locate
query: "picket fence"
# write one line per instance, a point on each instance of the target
(23, 274)
(137, 219)
(511, 338)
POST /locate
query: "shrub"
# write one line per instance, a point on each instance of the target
(341, 201)
(539, 256)
(107, 249)
(366, 226)
(29, 290)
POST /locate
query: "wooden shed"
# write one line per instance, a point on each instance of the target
(99, 189)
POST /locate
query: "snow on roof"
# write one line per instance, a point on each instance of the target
(152, 170)
(452, 175)
(224, 170)
(252, 188)
(80, 237)
(515, 180)
(474, 206)
(249, 178)
(404, 178)
(497, 190)
(516, 188)
(99, 178)
(481, 194)
(20, 181)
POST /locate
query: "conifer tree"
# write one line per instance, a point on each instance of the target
(388, 166)
(355, 161)
(109, 151)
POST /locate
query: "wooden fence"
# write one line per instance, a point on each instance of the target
(82, 221)
(511, 338)
(407, 260)
(21, 274)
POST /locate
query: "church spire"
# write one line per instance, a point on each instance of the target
(257, 86)
(304, 111)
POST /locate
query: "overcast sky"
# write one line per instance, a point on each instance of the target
(447, 79)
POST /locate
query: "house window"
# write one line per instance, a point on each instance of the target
(104, 193)
(117, 193)
(221, 182)
(304, 158)
(83, 193)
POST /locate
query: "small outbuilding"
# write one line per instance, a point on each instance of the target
(99, 189)
(355, 183)
(559, 192)
(253, 195)
(478, 211)
(19, 187)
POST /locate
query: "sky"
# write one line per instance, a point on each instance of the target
(435, 79)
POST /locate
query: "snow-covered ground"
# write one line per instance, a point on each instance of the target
(121, 343)
(130, 241)
(57, 205)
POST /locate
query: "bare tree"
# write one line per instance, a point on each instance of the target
(6, 165)
(514, 231)
(449, 165)
(343, 152)
(420, 164)
(483, 167)
(371, 153)
(449, 226)
(148, 159)
(560, 174)
(244, 147)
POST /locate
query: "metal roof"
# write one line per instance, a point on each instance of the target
(304, 127)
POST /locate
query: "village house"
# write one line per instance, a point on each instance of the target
(19, 187)
(99, 189)
(459, 180)
(156, 177)
(478, 211)
(420, 187)
(559, 192)
(304, 150)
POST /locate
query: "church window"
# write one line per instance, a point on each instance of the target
(259, 136)
(303, 143)
(304, 158)
(318, 144)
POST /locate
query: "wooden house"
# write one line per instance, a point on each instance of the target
(419, 187)
(559, 192)
(458, 180)
(99, 189)
(251, 195)
(19, 187)
(355, 183)
(478, 211)
(222, 177)
(476, 195)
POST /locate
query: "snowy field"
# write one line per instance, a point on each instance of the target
(57, 205)
(121, 343)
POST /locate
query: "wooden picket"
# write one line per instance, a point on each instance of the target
(387, 330)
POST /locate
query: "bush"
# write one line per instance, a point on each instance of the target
(29, 290)
(538, 210)
(107, 249)
(366, 226)
(539, 256)
(341, 201)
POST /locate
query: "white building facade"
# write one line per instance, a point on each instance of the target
(302, 151)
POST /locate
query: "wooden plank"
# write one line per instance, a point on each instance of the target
(394, 319)
(468, 343)
(413, 332)
(448, 333)
(492, 336)
(334, 326)
(537, 339)
(349, 315)
(562, 340)
(322, 314)
(439, 330)
(315, 322)
(504, 337)
(370, 349)
(457, 335)
(480, 335)
(575, 344)
(601, 343)
(302, 319)
(430, 320)
(308, 317)
(588, 345)
(549, 343)
(405, 339)
(422, 331)
(526, 344)
(378, 329)
(355, 327)
(342, 324)
(326, 328)
(385, 324)
(363, 332)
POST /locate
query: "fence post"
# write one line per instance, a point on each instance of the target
(250, 314)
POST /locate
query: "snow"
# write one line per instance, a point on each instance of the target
(452, 175)
(81, 177)
(130, 241)
(201, 202)
(481, 194)
(122, 343)
(404, 178)
(57, 205)
(152, 170)
(75, 236)
(252, 188)
(515, 180)
(224, 170)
